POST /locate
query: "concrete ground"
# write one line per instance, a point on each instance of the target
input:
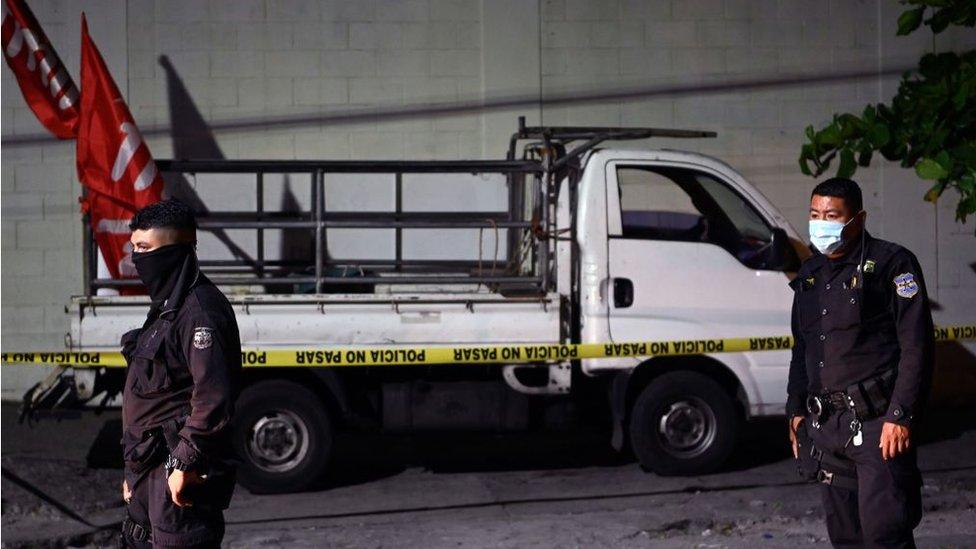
(548, 490)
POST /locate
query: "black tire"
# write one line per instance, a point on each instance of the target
(683, 423)
(283, 436)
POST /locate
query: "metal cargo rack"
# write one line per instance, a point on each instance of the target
(529, 222)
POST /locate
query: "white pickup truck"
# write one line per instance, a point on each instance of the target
(574, 244)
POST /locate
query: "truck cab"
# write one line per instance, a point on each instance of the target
(574, 244)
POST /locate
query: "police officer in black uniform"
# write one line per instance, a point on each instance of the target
(861, 368)
(183, 376)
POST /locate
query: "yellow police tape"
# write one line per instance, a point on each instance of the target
(475, 354)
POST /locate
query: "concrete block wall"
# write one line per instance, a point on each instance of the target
(262, 61)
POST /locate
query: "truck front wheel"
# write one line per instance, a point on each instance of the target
(683, 423)
(283, 436)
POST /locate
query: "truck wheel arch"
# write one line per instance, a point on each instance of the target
(324, 382)
(627, 385)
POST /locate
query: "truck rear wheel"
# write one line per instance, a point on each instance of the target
(683, 423)
(283, 436)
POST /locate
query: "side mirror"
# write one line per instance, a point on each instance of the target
(781, 256)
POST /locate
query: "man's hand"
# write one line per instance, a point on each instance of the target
(895, 439)
(794, 424)
(126, 493)
(178, 482)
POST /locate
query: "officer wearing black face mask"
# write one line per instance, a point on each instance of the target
(183, 375)
(861, 367)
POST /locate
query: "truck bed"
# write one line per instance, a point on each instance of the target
(407, 318)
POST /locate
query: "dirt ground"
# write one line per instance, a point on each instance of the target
(542, 490)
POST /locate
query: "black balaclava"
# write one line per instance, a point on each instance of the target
(167, 272)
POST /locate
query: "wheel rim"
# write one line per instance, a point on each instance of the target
(687, 428)
(278, 441)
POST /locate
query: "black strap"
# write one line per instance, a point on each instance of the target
(135, 531)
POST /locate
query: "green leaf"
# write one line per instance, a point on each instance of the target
(847, 163)
(830, 136)
(935, 192)
(910, 20)
(879, 135)
(945, 161)
(864, 158)
(929, 169)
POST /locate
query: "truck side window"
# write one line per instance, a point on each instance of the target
(686, 205)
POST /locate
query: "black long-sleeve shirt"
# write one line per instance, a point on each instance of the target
(185, 365)
(850, 326)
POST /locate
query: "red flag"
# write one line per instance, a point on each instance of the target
(43, 78)
(114, 162)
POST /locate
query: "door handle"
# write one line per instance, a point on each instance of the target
(623, 293)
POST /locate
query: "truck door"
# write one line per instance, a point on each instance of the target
(688, 259)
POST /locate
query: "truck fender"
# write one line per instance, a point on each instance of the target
(334, 384)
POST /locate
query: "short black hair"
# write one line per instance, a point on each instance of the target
(169, 213)
(841, 187)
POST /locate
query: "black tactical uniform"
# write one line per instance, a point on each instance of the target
(863, 356)
(183, 376)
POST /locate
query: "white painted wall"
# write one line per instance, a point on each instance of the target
(264, 60)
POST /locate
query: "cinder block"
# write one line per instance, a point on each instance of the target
(592, 10)
(670, 34)
(237, 64)
(759, 61)
(625, 34)
(237, 11)
(64, 263)
(455, 10)
(646, 10)
(24, 263)
(423, 89)
(375, 91)
(837, 33)
(45, 177)
(455, 63)
(565, 34)
(768, 34)
(646, 62)
(553, 10)
(469, 35)
(181, 11)
(332, 145)
(403, 63)
(699, 60)
(348, 63)
(431, 36)
(20, 319)
(723, 33)
(553, 61)
(373, 145)
(697, 9)
(346, 10)
(592, 61)
(432, 146)
(371, 36)
(42, 235)
(321, 91)
(401, 10)
(291, 63)
(265, 36)
(293, 10)
(321, 36)
(191, 64)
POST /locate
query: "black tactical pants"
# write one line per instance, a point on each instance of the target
(199, 526)
(887, 504)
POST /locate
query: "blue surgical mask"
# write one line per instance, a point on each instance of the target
(826, 235)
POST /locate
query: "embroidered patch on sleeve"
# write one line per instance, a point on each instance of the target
(202, 338)
(905, 285)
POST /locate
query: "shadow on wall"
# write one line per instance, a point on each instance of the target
(192, 139)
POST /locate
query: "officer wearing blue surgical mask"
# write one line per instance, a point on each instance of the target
(861, 367)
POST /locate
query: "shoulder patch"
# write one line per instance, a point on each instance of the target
(202, 338)
(869, 266)
(905, 285)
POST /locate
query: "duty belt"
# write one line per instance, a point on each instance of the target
(135, 531)
(825, 405)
